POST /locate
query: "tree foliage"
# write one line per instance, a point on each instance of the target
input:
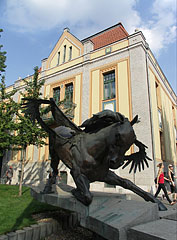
(8, 108)
(27, 132)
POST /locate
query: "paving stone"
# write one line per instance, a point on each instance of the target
(112, 222)
(156, 230)
(170, 214)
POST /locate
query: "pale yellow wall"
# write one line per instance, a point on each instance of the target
(97, 54)
(95, 92)
(123, 89)
(75, 53)
(155, 119)
(42, 151)
(9, 89)
(15, 155)
(114, 47)
(77, 99)
(64, 66)
(47, 91)
(66, 39)
(29, 155)
(167, 121)
(168, 128)
(120, 45)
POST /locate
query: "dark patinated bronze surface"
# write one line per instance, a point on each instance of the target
(92, 149)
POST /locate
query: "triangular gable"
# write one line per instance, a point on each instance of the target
(67, 40)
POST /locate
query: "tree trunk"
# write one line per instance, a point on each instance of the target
(22, 171)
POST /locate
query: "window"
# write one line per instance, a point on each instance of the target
(109, 85)
(108, 50)
(64, 54)
(160, 118)
(56, 94)
(58, 62)
(175, 130)
(70, 53)
(158, 95)
(162, 146)
(68, 94)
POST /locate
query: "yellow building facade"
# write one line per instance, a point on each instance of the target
(108, 70)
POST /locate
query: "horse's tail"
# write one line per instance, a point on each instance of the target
(31, 108)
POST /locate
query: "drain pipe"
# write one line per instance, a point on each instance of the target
(150, 108)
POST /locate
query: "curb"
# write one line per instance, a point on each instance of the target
(35, 231)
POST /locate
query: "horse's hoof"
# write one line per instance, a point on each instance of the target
(162, 207)
(86, 200)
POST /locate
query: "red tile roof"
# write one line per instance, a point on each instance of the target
(108, 36)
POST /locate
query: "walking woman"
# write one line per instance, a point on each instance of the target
(172, 183)
(160, 183)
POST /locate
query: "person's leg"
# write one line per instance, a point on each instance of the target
(173, 191)
(165, 192)
(158, 190)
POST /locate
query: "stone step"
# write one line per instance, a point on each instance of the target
(162, 229)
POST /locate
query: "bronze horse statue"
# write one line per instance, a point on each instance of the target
(92, 152)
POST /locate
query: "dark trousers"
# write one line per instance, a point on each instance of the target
(162, 186)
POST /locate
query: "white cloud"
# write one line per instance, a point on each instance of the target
(32, 15)
(86, 17)
(161, 30)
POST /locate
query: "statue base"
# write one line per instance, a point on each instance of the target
(109, 215)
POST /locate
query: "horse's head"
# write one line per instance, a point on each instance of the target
(123, 136)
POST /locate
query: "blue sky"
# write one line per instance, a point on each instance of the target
(32, 28)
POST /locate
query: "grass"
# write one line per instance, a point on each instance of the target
(16, 212)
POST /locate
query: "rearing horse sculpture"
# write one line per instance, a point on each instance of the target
(92, 152)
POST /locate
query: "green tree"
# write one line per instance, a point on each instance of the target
(28, 133)
(8, 108)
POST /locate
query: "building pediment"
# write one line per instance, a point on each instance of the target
(66, 49)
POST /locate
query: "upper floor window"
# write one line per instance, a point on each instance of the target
(64, 54)
(158, 95)
(109, 85)
(70, 53)
(69, 94)
(58, 61)
(160, 118)
(56, 94)
(175, 130)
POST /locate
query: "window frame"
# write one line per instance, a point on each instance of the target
(108, 82)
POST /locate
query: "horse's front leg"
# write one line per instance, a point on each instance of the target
(82, 192)
(112, 179)
(54, 165)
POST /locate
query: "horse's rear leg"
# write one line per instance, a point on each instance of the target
(113, 179)
(82, 192)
